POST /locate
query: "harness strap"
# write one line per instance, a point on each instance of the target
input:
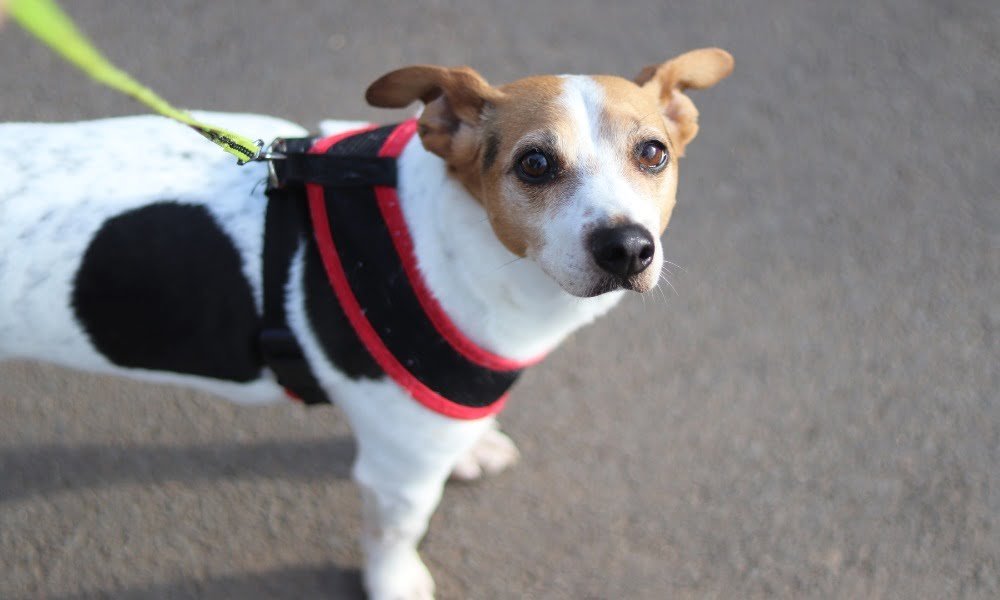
(286, 224)
(346, 184)
(371, 264)
(333, 171)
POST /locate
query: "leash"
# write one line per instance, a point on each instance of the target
(45, 20)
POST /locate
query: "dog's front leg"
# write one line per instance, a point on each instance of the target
(405, 453)
(394, 521)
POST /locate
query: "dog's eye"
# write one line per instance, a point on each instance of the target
(652, 155)
(534, 167)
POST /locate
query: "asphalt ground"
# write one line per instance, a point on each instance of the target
(813, 413)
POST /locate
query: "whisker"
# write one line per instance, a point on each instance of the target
(675, 264)
(663, 296)
(660, 288)
(671, 286)
(664, 271)
(510, 262)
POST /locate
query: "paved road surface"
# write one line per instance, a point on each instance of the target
(814, 413)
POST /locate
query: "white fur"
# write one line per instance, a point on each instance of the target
(492, 453)
(508, 306)
(605, 193)
(61, 182)
(54, 197)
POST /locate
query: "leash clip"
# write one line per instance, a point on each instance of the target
(275, 151)
(270, 152)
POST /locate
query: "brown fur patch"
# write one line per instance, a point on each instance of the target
(697, 69)
(528, 106)
(631, 115)
(480, 131)
(532, 115)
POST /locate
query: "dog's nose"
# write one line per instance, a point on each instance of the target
(623, 250)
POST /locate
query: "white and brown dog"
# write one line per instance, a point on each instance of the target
(112, 262)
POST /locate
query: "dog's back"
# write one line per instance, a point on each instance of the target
(125, 235)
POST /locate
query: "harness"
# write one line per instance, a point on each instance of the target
(341, 190)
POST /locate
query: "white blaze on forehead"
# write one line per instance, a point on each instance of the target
(583, 99)
(605, 189)
(606, 192)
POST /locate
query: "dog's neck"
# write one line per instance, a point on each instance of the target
(506, 304)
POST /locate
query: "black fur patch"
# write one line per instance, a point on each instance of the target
(491, 149)
(327, 319)
(161, 287)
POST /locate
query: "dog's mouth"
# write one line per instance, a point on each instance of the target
(613, 284)
(592, 282)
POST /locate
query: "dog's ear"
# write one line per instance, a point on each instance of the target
(696, 69)
(455, 100)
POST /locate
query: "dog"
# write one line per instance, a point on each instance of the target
(129, 246)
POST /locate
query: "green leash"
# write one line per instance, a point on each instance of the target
(46, 20)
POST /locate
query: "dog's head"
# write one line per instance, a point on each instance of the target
(578, 173)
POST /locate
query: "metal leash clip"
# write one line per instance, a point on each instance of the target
(274, 151)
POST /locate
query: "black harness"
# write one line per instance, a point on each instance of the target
(341, 191)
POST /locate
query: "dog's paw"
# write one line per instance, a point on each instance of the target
(493, 453)
(398, 576)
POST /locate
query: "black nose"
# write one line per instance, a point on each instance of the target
(623, 250)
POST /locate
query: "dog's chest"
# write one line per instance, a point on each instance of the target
(368, 257)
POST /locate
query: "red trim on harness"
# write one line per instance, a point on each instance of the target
(321, 146)
(388, 203)
(369, 337)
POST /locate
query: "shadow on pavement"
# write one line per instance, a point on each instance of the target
(324, 581)
(34, 470)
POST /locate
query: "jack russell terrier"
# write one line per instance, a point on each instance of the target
(377, 267)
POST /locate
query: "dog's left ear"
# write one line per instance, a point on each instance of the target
(696, 69)
(455, 100)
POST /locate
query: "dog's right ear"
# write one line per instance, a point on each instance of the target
(455, 100)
